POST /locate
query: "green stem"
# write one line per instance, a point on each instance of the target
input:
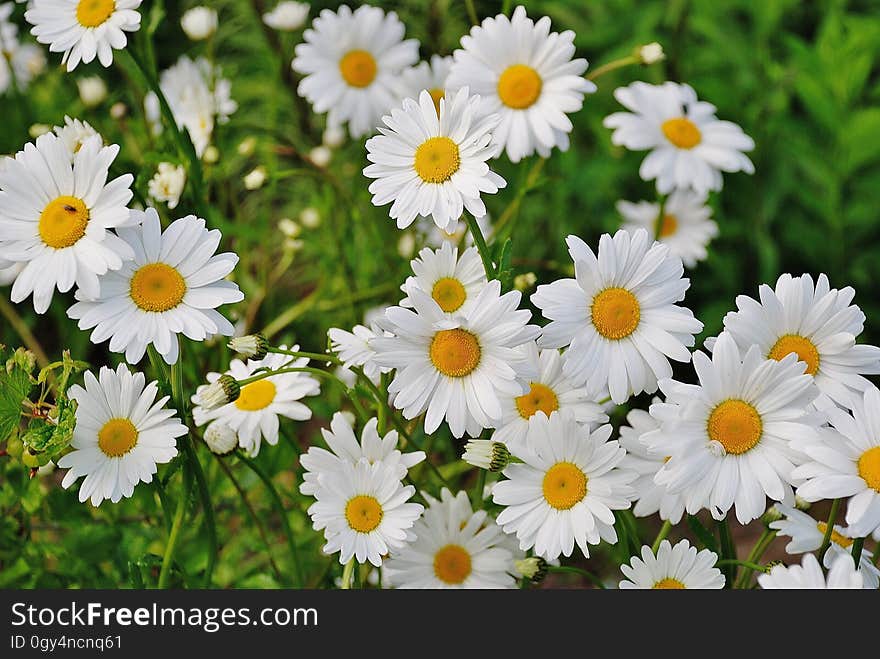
(346, 574)
(858, 545)
(658, 224)
(282, 513)
(477, 497)
(661, 535)
(752, 567)
(829, 529)
(563, 569)
(612, 66)
(472, 12)
(207, 508)
(501, 230)
(482, 247)
(755, 555)
(262, 375)
(317, 356)
(171, 545)
(728, 552)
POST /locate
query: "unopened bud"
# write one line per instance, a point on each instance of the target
(486, 454)
(222, 391)
(650, 53)
(524, 281)
(220, 438)
(254, 346)
(533, 568)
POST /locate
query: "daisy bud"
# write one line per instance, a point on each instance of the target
(486, 454)
(320, 156)
(212, 155)
(772, 514)
(406, 245)
(223, 390)
(220, 438)
(801, 504)
(247, 146)
(254, 346)
(524, 281)
(255, 179)
(287, 16)
(199, 23)
(533, 568)
(310, 218)
(650, 53)
(289, 228)
(92, 90)
(167, 183)
(333, 137)
(39, 129)
(118, 111)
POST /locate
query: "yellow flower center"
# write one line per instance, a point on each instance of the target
(363, 513)
(519, 86)
(616, 313)
(452, 564)
(682, 132)
(564, 485)
(540, 398)
(449, 293)
(358, 68)
(117, 437)
(92, 13)
(836, 536)
(157, 287)
(668, 225)
(63, 222)
(256, 396)
(736, 425)
(437, 159)
(455, 352)
(805, 350)
(869, 468)
(436, 95)
(668, 584)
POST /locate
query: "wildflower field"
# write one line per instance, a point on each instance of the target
(439, 294)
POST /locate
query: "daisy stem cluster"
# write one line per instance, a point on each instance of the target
(661, 535)
(482, 247)
(599, 71)
(766, 537)
(829, 529)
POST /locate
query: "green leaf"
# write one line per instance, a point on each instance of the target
(48, 436)
(704, 535)
(15, 385)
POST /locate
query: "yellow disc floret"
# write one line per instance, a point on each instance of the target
(437, 160)
(540, 398)
(615, 313)
(256, 396)
(449, 293)
(92, 13)
(455, 352)
(63, 222)
(358, 68)
(682, 132)
(519, 86)
(565, 484)
(117, 437)
(805, 350)
(363, 513)
(736, 425)
(452, 564)
(869, 468)
(157, 287)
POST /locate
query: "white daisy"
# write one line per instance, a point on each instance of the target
(122, 432)
(549, 391)
(351, 61)
(565, 489)
(363, 511)
(426, 76)
(455, 547)
(199, 98)
(345, 448)
(172, 286)
(354, 348)
(56, 214)
(807, 534)
(730, 437)
(526, 74)
(618, 316)
(686, 225)
(287, 15)
(82, 29)
(453, 283)
(456, 368)
(847, 463)
(74, 134)
(650, 497)
(18, 61)
(254, 414)
(817, 323)
(673, 568)
(808, 575)
(433, 166)
(689, 146)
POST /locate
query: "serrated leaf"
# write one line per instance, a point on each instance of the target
(15, 385)
(51, 435)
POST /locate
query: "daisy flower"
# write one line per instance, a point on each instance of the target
(730, 437)
(686, 226)
(817, 323)
(526, 74)
(352, 61)
(74, 134)
(808, 575)
(287, 16)
(565, 489)
(548, 392)
(426, 76)
(363, 510)
(618, 316)
(847, 463)
(354, 348)
(18, 61)
(82, 29)
(807, 534)
(122, 432)
(673, 568)
(650, 497)
(455, 547)
(431, 165)
(55, 214)
(345, 448)
(456, 368)
(254, 414)
(199, 98)
(453, 283)
(689, 146)
(173, 285)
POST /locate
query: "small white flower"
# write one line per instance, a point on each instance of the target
(74, 134)
(255, 179)
(287, 16)
(167, 183)
(321, 155)
(118, 110)
(199, 23)
(678, 567)
(92, 90)
(310, 217)
(354, 348)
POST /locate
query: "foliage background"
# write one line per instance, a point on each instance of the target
(802, 78)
